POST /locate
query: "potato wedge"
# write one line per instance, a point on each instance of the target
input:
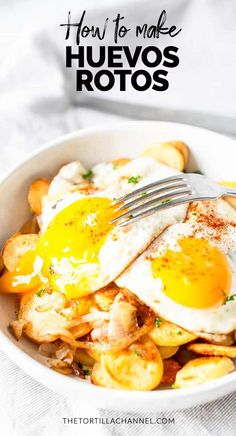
(83, 357)
(167, 352)
(139, 367)
(94, 354)
(16, 247)
(166, 153)
(120, 162)
(1, 264)
(217, 339)
(230, 200)
(182, 148)
(81, 330)
(41, 312)
(104, 298)
(31, 226)
(64, 371)
(202, 370)
(171, 367)
(213, 350)
(170, 335)
(38, 189)
(101, 377)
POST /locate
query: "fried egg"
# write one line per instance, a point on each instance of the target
(187, 275)
(79, 251)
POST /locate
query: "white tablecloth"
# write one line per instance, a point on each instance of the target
(33, 110)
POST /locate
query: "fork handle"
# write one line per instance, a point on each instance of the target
(230, 192)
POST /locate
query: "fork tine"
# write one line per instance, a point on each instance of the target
(157, 192)
(150, 186)
(176, 202)
(146, 205)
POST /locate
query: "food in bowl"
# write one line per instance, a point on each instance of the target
(130, 307)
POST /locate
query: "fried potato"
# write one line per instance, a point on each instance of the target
(169, 154)
(121, 161)
(167, 352)
(182, 148)
(139, 367)
(83, 305)
(170, 335)
(31, 226)
(171, 367)
(1, 264)
(64, 371)
(38, 189)
(217, 339)
(104, 298)
(213, 350)
(81, 330)
(41, 312)
(94, 354)
(101, 377)
(202, 370)
(230, 200)
(16, 247)
(83, 357)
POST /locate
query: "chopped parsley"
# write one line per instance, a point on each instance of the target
(40, 292)
(158, 322)
(137, 353)
(88, 175)
(194, 213)
(165, 201)
(230, 298)
(143, 193)
(87, 371)
(179, 332)
(134, 179)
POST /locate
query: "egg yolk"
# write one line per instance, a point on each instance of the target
(72, 242)
(228, 184)
(197, 276)
(24, 278)
(67, 249)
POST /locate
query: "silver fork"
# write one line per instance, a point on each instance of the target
(166, 193)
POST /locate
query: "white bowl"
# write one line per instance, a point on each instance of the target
(213, 154)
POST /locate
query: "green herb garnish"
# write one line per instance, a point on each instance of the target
(143, 193)
(41, 292)
(179, 332)
(158, 322)
(88, 175)
(87, 371)
(230, 298)
(134, 179)
(165, 201)
(137, 353)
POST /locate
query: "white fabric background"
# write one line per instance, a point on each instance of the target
(33, 110)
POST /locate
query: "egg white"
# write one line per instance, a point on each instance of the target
(124, 244)
(138, 278)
